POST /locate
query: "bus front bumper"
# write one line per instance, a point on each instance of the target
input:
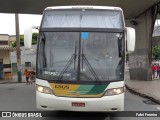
(103, 104)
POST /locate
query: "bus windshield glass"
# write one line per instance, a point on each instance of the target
(81, 56)
(82, 19)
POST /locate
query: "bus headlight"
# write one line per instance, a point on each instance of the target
(44, 89)
(114, 91)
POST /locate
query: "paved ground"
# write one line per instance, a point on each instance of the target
(14, 80)
(149, 89)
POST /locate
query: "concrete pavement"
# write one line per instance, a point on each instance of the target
(148, 89)
(14, 80)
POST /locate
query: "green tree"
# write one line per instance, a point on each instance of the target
(127, 57)
(34, 40)
(14, 44)
(21, 40)
(156, 52)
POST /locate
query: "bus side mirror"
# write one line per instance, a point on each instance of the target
(28, 37)
(131, 38)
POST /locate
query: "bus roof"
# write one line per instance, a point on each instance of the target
(85, 7)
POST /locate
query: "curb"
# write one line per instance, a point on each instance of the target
(143, 95)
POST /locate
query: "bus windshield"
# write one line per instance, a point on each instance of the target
(79, 18)
(81, 56)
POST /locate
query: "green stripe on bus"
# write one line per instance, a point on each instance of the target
(83, 89)
(97, 89)
(90, 89)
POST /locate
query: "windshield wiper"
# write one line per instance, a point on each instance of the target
(88, 65)
(73, 58)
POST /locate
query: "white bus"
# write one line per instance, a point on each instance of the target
(81, 58)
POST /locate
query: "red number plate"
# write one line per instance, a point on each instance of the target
(76, 104)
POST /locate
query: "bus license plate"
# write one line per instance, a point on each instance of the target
(77, 104)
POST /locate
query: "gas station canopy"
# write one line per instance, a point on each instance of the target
(131, 8)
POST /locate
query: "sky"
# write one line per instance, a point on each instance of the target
(7, 22)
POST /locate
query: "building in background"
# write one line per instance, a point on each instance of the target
(5, 60)
(28, 58)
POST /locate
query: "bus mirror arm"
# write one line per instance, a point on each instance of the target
(120, 47)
